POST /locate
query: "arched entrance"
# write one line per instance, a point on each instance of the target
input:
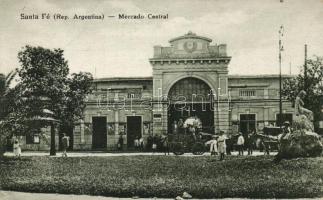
(191, 98)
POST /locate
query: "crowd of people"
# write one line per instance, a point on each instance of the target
(151, 143)
(220, 144)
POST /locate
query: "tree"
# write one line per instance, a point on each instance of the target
(312, 84)
(46, 85)
(7, 104)
(79, 86)
(6, 92)
(43, 74)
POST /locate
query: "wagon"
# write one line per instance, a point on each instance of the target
(270, 137)
(182, 143)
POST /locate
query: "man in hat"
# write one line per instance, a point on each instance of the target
(286, 130)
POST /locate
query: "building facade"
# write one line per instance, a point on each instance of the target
(190, 82)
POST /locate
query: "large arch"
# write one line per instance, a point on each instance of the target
(191, 88)
(189, 98)
(183, 76)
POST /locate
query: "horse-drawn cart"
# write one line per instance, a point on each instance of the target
(270, 137)
(182, 143)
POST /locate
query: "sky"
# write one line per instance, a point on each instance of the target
(122, 48)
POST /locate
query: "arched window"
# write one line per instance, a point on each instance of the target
(190, 88)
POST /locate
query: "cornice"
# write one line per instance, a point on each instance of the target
(178, 61)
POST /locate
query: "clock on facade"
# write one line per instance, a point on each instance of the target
(190, 46)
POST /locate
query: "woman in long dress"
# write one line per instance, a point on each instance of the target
(16, 148)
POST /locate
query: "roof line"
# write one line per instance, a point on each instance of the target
(260, 76)
(122, 78)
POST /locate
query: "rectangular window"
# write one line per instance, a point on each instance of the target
(134, 94)
(247, 123)
(247, 93)
(32, 138)
(36, 139)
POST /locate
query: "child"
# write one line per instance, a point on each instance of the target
(213, 145)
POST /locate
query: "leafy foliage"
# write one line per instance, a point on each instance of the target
(166, 176)
(7, 105)
(312, 85)
(80, 85)
(44, 90)
(43, 75)
(7, 93)
(46, 85)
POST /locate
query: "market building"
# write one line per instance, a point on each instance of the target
(190, 82)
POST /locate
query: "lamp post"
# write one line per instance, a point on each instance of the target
(281, 48)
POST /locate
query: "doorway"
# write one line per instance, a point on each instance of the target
(133, 129)
(191, 98)
(247, 123)
(203, 112)
(99, 138)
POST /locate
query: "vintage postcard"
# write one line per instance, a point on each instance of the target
(163, 99)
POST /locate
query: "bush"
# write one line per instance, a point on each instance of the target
(165, 176)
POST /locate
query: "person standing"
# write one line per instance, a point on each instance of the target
(150, 142)
(229, 143)
(213, 146)
(120, 143)
(191, 130)
(195, 123)
(141, 143)
(221, 145)
(16, 148)
(240, 144)
(136, 142)
(250, 142)
(66, 144)
(175, 127)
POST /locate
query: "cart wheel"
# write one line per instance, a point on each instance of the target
(198, 148)
(177, 148)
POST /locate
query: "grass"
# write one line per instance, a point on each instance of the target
(165, 176)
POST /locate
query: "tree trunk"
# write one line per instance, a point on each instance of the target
(52, 140)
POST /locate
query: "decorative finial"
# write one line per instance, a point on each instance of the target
(190, 33)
